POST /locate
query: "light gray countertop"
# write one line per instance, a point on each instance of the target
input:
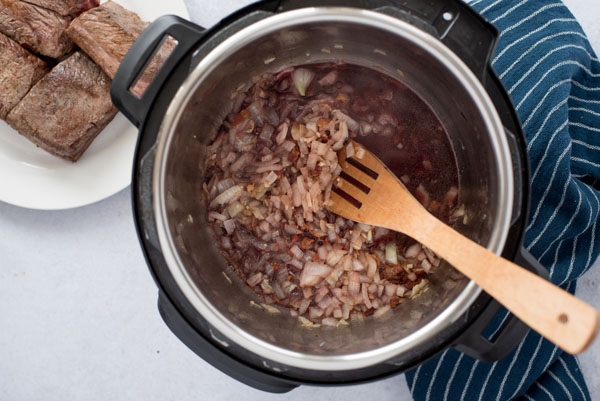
(78, 316)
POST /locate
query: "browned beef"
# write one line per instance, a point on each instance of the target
(66, 7)
(66, 109)
(35, 28)
(107, 32)
(19, 70)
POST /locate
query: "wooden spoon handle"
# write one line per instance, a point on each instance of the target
(554, 313)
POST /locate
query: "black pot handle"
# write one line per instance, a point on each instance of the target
(456, 24)
(468, 35)
(139, 55)
(525, 259)
(460, 28)
(511, 333)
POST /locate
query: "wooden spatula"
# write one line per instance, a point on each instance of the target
(368, 192)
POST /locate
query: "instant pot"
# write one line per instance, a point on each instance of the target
(441, 50)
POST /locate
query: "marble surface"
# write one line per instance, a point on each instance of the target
(78, 317)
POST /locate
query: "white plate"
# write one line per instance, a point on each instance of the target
(32, 178)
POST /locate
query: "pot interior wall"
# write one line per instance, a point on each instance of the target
(310, 43)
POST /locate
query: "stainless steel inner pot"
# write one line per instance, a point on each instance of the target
(314, 35)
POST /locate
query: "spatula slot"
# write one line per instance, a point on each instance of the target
(347, 197)
(362, 167)
(345, 176)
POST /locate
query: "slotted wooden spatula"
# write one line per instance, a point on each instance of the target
(369, 193)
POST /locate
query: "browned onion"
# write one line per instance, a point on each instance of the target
(269, 172)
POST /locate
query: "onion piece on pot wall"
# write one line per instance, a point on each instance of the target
(302, 79)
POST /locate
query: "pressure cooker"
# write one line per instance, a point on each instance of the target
(441, 49)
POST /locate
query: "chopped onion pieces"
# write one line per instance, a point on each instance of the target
(302, 78)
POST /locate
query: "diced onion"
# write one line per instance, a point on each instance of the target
(413, 250)
(255, 279)
(334, 256)
(270, 178)
(322, 251)
(229, 226)
(234, 209)
(227, 196)
(349, 150)
(297, 252)
(328, 79)
(216, 216)
(313, 273)
(282, 133)
(391, 253)
(357, 266)
(302, 78)
(351, 123)
(353, 283)
(382, 311)
(225, 184)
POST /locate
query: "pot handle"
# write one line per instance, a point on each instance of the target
(455, 23)
(139, 55)
(512, 331)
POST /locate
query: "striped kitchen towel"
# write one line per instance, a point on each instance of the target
(549, 68)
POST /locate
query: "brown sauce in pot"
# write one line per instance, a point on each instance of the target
(408, 136)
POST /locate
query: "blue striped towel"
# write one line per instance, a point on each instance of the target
(549, 68)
